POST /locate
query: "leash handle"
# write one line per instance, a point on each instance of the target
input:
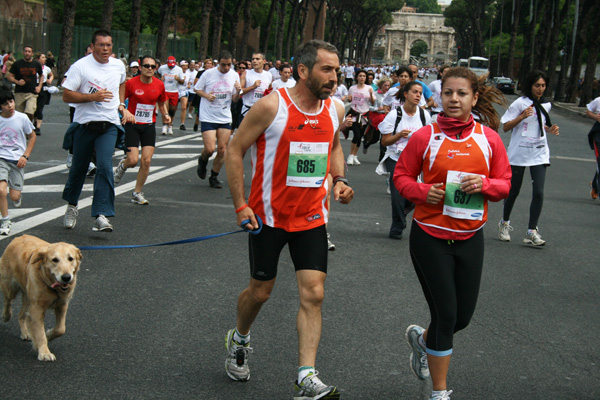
(252, 231)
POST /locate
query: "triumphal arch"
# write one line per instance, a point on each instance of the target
(408, 28)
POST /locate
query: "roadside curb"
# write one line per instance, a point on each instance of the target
(570, 107)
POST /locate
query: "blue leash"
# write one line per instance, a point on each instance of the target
(191, 240)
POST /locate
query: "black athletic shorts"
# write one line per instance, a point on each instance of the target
(140, 133)
(308, 250)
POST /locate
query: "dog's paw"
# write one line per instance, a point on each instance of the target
(6, 315)
(46, 357)
(26, 337)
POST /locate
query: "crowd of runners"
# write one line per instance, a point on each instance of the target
(438, 146)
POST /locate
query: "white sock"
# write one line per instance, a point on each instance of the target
(304, 371)
(241, 339)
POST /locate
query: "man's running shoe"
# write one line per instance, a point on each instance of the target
(5, 225)
(102, 225)
(70, 218)
(356, 162)
(138, 198)
(170, 131)
(69, 160)
(164, 130)
(504, 231)
(441, 395)
(593, 192)
(350, 159)
(18, 202)
(311, 388)
(119, 171)
(195, 127)
(91, 170)
(534, 238)
(182, 127)
(202, 167)
(418, 356)
(330, 246)
(214, 183)
(236, 363)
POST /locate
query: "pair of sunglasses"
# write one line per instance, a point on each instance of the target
(149, 66)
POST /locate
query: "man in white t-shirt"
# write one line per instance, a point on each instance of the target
(349, 74)
(254, 83)
(172, 75)
(96, 84)
(275, 70)
(285, 80)
(218, 87)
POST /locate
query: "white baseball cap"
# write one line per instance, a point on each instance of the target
(134, 64)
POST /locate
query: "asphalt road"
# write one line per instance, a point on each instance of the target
(150, 323)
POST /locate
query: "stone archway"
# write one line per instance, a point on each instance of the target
(407, 28)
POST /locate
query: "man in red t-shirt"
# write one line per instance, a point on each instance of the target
(144, 93)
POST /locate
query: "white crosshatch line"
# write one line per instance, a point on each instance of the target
(156, 173)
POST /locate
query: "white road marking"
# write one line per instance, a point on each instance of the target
(574, 159)
(39, 219)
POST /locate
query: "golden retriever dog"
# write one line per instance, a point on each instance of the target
(46, 275)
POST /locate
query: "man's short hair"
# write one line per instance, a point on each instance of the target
(148, 56)
(306, 54)
(225, 55)
(261, 54)
(27, 47)
(100, 32)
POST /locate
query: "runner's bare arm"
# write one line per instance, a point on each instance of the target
(256, 121)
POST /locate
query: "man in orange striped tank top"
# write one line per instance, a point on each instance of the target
(293, 138)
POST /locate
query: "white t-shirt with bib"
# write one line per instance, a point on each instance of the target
(256, 94)
(88, 76)
(222, 86)
(527, 146)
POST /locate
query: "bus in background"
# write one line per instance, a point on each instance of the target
(463, 62)
(478, 65)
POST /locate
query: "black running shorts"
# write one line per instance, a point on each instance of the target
(308, 250)
(140, 133)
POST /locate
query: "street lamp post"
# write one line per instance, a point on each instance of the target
(500, 39)
(44, 19)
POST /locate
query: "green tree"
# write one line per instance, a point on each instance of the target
(425, 6)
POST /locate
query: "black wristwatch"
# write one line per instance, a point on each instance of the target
(340, 179)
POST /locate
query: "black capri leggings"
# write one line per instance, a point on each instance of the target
(538, 178)
(357, 127)
(449, 273)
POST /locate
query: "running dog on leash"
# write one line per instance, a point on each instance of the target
(46, 275)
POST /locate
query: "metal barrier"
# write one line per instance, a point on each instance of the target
(16, 33)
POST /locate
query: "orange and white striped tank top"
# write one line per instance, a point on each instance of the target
(446, 160)
(290, 164)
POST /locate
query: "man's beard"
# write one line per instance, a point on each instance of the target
(316, 89)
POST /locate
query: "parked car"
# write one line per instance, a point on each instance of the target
(505, 85)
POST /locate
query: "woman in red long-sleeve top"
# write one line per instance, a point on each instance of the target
(463, 165)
